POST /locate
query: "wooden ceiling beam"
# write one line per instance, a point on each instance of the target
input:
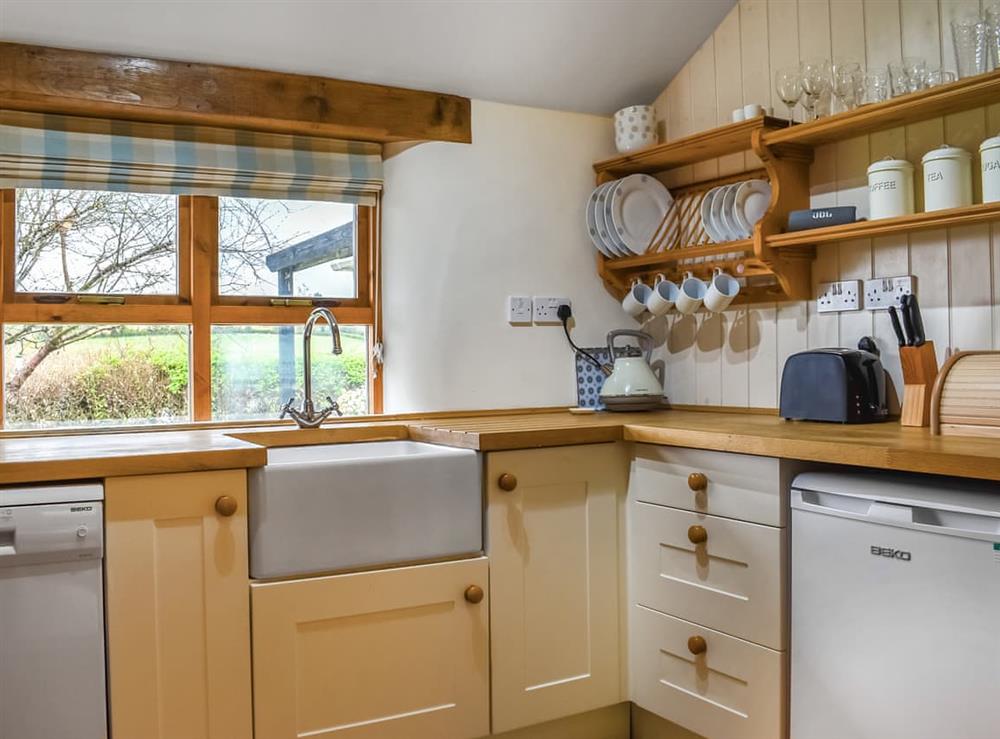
(48, 80)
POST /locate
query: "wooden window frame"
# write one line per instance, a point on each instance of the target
(198, 302)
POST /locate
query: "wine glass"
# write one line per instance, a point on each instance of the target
(844, 76)
(815, 82)
(788, 85)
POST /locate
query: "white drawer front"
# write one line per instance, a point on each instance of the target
(734, 581)
(734, 690)
(738, 485)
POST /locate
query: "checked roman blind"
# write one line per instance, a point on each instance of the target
(66, 152)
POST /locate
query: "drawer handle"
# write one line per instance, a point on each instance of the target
(226, 505)
(697, 645)
(507, 482)
(474, 594)
(697, 481)
(697, 534)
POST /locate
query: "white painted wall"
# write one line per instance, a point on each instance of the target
(736, 359)
(466, 225)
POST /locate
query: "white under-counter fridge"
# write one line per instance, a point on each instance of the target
(895, 607)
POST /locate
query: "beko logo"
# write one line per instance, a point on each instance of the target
(80, 508)
(891, 553)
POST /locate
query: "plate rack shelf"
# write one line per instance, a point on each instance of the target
(777, 265)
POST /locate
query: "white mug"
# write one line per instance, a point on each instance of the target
(691, 295)
(634, 302)
(752, 110)
(721, 291)
(738, 115)
(662, 297)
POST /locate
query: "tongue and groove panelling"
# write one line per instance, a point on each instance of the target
(735, 359)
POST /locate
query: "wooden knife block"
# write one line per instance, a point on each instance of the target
(920, 369)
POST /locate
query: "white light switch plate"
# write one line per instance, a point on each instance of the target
(839, 296)
(519, 310)
(545, 309)
(882, 292)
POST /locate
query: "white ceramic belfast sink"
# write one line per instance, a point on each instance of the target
(337, 507)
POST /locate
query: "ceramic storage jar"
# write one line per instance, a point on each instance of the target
(890, 188)
(947, 178)
(635, 128)
(989, 154)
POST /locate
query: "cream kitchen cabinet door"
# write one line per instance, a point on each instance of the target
(389, 654)
(177, 606)
(553, 543)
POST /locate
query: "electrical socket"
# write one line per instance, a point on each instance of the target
(835, 297)
(545, 309)
(882, 292)
(519, 310)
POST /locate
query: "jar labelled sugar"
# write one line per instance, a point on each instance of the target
(989, 156)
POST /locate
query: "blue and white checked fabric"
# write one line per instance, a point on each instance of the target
(64, 152)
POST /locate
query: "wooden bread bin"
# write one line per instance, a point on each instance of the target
(966, 399)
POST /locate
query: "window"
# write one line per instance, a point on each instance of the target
(128, 308)
(95, 375)
(287, 248)
(255, 369)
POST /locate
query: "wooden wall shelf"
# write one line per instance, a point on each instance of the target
(776, 264)
(716, 142)
(950, 218)
(971, 92)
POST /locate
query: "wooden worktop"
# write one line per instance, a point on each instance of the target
(880, 446)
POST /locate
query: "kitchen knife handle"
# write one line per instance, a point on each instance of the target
(919, 338)
(897, 329)
(907, 320)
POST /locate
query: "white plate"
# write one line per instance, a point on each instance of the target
(600, 218)
(732, 228)
(706, 215)
(638, 206)
(753, 198)
(612, 239)
(591, 217)
(715, 217)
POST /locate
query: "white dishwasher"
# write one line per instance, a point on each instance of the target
(52, 674)
(895, 607)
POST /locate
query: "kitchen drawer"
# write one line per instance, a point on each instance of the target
(734, 581)
(733, 690)
(735, 485)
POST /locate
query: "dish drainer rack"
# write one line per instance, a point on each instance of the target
(776, 265)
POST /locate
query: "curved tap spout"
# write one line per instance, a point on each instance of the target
(307, 416)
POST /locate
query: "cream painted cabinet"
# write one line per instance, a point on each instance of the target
(391, 654)
(553, 543)
(178, 614)
(708, 596)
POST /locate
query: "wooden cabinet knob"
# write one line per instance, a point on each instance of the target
(507, 481)
(697, 645)
(697, 481)
(697, 534)
(226, 505)
(474, 594)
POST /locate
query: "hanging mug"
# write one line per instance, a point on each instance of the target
(634, 302)
(662, 297)
(691, 294)
(721, 291)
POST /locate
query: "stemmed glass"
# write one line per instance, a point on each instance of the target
(788, 85)
(815, 82)
(845, 77)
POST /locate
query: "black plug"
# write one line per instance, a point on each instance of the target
(564, 312)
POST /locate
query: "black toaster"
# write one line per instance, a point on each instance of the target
(839, 385)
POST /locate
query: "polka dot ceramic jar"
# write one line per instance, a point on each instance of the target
(635, 127)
